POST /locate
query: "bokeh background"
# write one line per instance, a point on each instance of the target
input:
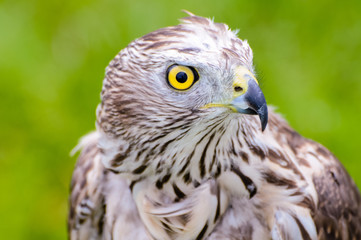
(52, 60)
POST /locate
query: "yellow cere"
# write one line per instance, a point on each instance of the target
(241, 81)
(242, 76)
(180, 77)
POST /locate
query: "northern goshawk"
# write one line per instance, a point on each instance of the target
(182, 151)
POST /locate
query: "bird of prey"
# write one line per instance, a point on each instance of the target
(186, 148)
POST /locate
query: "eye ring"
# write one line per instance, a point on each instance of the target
(181, 78)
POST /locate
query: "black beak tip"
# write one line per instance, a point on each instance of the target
(263, 116)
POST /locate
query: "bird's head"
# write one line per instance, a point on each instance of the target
(175, 76)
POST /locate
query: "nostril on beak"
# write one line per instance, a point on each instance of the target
(238, 89)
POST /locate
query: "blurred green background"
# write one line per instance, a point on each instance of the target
(52, 60)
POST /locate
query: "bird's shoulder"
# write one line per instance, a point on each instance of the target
(101, 202)
(86, 198)
(337, 212)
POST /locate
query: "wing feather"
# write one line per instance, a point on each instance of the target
(101, 203)
(86, 201)
(337, 214)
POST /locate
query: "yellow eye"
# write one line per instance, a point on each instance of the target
(181, 77)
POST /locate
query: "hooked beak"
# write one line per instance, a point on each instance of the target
(247, 97)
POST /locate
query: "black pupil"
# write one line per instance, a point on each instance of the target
(181, 77)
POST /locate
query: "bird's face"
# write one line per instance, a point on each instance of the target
(177, 74)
